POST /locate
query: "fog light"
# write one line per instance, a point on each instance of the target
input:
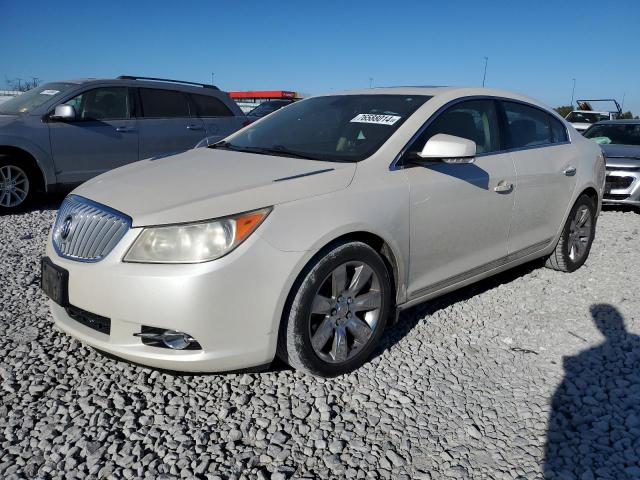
(158, 337)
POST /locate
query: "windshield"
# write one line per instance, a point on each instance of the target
(586, 117)
(34, 98)
(340, 128)
(620, 134)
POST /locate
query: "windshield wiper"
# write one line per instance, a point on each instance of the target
(282, 150)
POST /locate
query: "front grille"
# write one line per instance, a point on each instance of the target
(91, 320)
(615, 182)
(87, 231)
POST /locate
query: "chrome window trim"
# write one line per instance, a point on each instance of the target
(395, 166)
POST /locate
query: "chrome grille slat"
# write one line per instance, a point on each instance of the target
(92, 230)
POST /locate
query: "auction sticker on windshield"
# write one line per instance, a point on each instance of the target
(49, 92)
(377, 119)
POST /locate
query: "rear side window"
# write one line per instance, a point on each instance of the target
(531, 127)
(157, 103)
(210, 106)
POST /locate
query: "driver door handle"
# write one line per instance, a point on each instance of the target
(124, 129)
(503, 187)
(569, 171)
(194, 127)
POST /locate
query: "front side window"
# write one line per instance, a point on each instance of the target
(620, 134)
(342, 128)
(158, 103)
(33, 98)
(108, 103)
(529, 126)
(475, 120)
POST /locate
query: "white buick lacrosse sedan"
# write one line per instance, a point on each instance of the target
(303, 234)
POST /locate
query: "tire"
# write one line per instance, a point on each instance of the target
(331, 326)
(579, 230)
(16, 185)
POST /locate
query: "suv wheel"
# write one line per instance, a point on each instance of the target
(577, 236)
(15, 185)
(338, 312)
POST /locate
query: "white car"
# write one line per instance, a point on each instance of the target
(304, 233)
(581, 120)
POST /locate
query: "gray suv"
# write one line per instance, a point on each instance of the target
(60, 134)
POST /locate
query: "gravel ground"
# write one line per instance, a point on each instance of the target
(527, 375)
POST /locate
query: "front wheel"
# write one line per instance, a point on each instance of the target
(577, 236)
(15, 186)
(338, 311)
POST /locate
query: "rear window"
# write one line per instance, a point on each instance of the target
(210, 106)
(157, 103)
(531, 127)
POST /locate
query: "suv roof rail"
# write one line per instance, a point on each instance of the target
(135, 77)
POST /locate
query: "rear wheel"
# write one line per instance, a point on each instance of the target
(577, 236)
(338, 312)
(15, 185)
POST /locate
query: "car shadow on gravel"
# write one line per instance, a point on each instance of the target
(594, 425)
(411, 317)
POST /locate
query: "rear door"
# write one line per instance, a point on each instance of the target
(168, 122)
(546, 165)
(218, 119)
(102, 137)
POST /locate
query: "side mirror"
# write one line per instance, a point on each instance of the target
(64, 113)
(449, 149)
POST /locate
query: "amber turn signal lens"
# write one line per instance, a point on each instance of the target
(245, 224)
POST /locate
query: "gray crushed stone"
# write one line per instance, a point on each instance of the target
(532, 374)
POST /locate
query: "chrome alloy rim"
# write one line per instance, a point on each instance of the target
(345, 312)
(579, 233)
(14, 186)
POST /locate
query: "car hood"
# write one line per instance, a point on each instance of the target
(204, 183)
(621, 151)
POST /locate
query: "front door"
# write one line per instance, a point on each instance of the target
(460, 213)
(102, 137)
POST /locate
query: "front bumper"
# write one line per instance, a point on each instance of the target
(230, 306)
(622, 184)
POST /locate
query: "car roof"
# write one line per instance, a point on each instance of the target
(626, 121)
(444, 91)
(174, 84)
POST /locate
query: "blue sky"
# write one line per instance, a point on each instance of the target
(534, 47)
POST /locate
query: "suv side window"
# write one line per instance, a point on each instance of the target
(208, 106)
(158, 103)
(106, 103)
(475, 120)
(528, 126)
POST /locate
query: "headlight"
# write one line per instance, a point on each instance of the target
(194, 242)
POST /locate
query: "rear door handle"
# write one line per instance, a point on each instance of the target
(124, 129)
(194, 127)
(503, 187)
(569, 171)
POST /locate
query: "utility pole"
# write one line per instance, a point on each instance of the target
(573, 91)
(484, 76)
(212, 78)
(370, 82)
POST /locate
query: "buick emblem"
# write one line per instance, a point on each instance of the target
(66, 227)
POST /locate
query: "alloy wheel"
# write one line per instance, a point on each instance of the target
(345, 312)
(14, 186)
(579, 233)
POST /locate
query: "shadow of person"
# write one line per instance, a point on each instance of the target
(594, 426)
